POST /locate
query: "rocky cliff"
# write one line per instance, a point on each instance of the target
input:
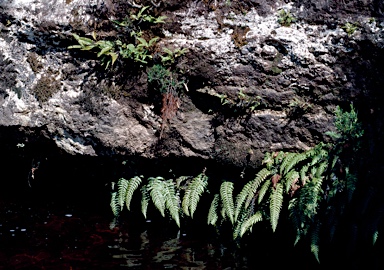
(252, 80)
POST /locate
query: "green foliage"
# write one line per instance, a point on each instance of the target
(164, 194)
(243, 102)
(347, 125)
(193, 192)
(285, 18)
(141, 16)
(350, 28)
(170, 56)
(308, 184)
(163, 79)
(135, 47)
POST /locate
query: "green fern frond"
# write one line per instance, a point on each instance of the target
(115, 204)
(226, 194)
(172, 201)
(303, 174)
(249, 190)
(375, 236)
(321, 168)
(157, 189)
(351, 180)
(276, 202)
(295, 218)
(212, 213)
(315, 241)
(287, 160)
(319, 157)
(133, 184)
(122, 186)
(180, 180)
(293, 162)
(247, 225)
(263, 190)
(144, 200)
(290, 179)
(193, 193)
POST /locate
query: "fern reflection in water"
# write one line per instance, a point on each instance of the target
(307, 184)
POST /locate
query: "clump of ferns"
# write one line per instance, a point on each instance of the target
(296, 177)
(174, 197)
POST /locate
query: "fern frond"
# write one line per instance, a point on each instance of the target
(303, 174)
(293, 161)
(287, 160)
(180, 180)
(249, 190)
(322, 153)
(193, 193)
(321, 168)
(144, 200)
(226, 194)
(122, 186)
(295, 218)
(114, 204)
(157, 189)
(375, 236)
(290, 179)
(351, 180)
(133, 184)
(212, 213)
(276, 202)
(315, 241)
(247, 225)
(172, 201)
(263, 190)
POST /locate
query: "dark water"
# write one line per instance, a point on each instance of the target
(56, 235)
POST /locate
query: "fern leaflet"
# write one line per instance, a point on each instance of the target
(315, 241)
(144, 200)
(172, 200)
(132, 186)
(226, 193)
(247, 225)
(264, 188)
(276, 202)
(122, 186)
(249, 190)
(291, 179)
(157, 189)
(114, 204)
(193, 193)
(212, 213)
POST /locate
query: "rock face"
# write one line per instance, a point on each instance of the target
(251, 85)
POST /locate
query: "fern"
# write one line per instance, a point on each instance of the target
(296, 158)
(303, 174)
(291, 178)
(114, 204)
(122, 186)
(226, 193)
(144, 200)
(134, 183)
(264, 188)
(157, 190)
(212, 213)
(247, 225)
(287, 160)
(276, 202)
(315, 241)
(321, 168)
(249, 190)
(193, 193)
(172, 201)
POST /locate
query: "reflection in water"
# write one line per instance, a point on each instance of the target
(52, 236)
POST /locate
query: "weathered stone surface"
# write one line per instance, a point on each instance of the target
(297, 75)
